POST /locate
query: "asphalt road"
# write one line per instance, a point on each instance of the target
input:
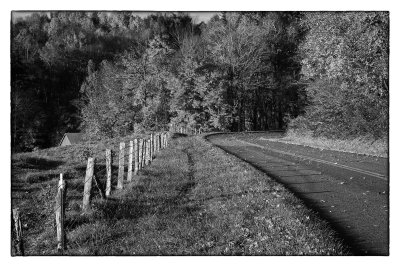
(350, 191)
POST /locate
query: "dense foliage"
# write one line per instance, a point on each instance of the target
(345, 59)
(109, 74)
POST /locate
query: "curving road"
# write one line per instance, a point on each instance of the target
(348, 190)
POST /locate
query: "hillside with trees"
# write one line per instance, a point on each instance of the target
(108, 74)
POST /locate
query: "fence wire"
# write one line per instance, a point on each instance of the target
(72, 206)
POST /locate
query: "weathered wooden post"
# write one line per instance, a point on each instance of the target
(88, 185)
(150, 152)
(143, 152)
(19, 246)
(136, 149)
(147, 156)
(108, 168)
(155, 144)
(140, 154)
(60, 214)
(156, 140)
(121, 167)
(151, 146)
(159, 141)
(146, 145)
(129, 178)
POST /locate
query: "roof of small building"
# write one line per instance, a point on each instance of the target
(74, 138)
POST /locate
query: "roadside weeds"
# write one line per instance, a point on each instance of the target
(363, 146)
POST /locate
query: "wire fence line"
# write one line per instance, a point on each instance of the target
(141, 152)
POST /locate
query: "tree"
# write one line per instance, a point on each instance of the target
(345, 61)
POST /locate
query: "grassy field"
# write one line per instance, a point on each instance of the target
(194, 199)
(365, 146)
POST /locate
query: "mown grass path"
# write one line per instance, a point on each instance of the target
(353, 199)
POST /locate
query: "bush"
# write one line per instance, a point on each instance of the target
(338, 111)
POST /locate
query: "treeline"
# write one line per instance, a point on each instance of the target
(109, 74)
(49, 58)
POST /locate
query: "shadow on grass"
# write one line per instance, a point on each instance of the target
(37, 163)
(75, 220)
(139, 206)
(178, 135)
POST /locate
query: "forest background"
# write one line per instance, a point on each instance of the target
(111, 73)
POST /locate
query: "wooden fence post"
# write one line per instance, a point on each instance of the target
(159, 141)
(141, 148)
(60, 214)
(88, 185)
(19, 246)
(143, 153)
(108, 167)
(140, 154)
(147, 156)
(156, 142)
(121, 167)
(146, 152)
(136, 149)
(163, 140)
(151, 146)
(129, 178)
